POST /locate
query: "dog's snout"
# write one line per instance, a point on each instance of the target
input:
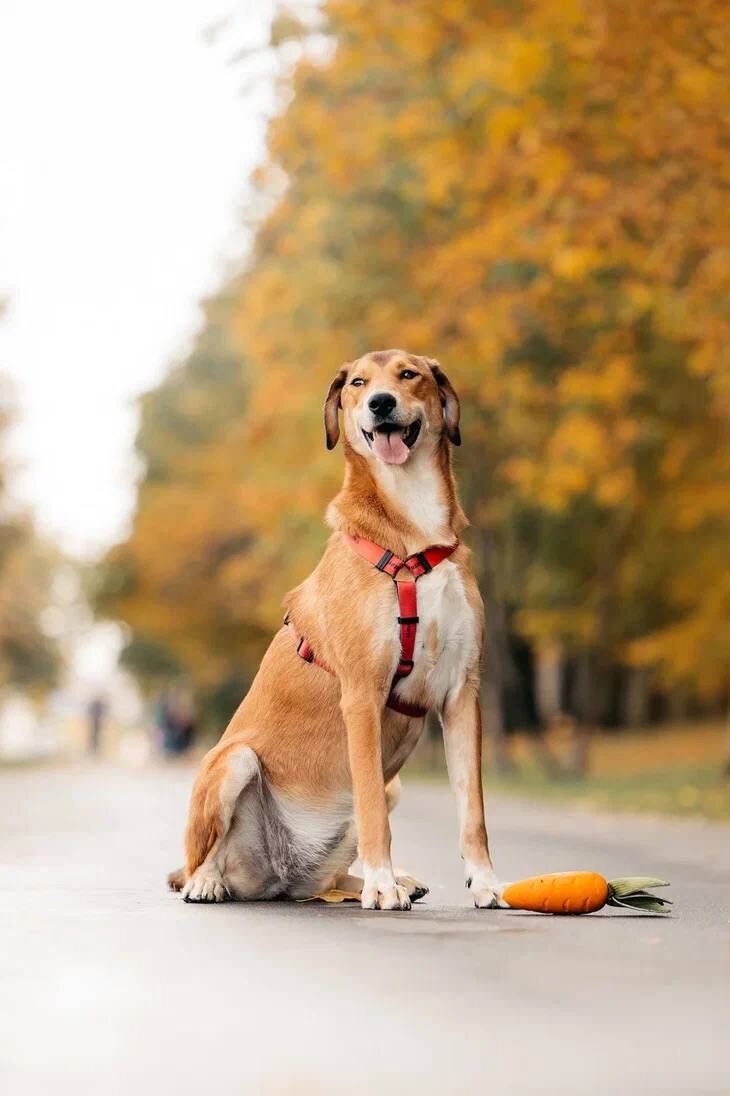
(381, 403)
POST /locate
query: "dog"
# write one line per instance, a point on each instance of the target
(388, 625)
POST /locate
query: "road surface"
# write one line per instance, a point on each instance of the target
(110, 984)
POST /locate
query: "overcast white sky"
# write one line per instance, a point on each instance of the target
(125, 143)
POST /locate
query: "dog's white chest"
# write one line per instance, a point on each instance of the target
(447, 637)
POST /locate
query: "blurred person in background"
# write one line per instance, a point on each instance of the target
(96, 713)
(176, 720)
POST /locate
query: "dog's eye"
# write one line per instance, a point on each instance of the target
(408, 375)
(358, 382)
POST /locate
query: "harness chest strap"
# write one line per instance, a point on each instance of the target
(420, 563)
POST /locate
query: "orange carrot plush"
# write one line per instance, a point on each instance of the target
(583, 892)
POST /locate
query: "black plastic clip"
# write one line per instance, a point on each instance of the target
(423, 562)
(384, 560)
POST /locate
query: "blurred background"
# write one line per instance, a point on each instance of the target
(205, 208)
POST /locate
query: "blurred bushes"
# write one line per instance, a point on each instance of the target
(30, 658)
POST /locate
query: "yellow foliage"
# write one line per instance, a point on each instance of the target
(537, 196)
(575, 262)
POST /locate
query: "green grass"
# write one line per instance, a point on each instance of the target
(671, 770)
(22, 762)
(682, 791)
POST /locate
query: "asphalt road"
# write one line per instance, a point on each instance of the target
(109, 984)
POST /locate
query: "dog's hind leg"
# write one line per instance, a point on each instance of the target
(354, 884)
(226, 773)
(393, 791)
(346, 882)
(415, 889)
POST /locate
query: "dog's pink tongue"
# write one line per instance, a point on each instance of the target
(390, 447)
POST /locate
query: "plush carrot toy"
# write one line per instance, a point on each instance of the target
(563, 892)
(583, 892)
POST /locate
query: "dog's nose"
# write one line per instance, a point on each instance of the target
(381, 403)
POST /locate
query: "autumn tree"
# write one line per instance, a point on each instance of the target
(29, 656)
(535, 194)
(176, 582)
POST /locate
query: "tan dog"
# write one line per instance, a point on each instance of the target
(307, 771)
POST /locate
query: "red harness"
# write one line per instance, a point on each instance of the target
(420, 563)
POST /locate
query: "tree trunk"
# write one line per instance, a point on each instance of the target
(678, 704)
(594, 664)
(548, 687)
(548, 683)
(493, 718)
(581, 751)
(586, 706)
(495, 655)
(635, 701)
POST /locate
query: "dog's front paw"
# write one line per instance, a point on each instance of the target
(486, 890)
(381, 891)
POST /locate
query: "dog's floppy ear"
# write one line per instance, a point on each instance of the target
(449, 402)
(331, 406)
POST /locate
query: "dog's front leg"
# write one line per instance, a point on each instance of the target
(362, 713)
(462, 723)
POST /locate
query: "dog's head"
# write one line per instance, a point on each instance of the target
(393, 404)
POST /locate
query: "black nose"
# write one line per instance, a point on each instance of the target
(381, 403)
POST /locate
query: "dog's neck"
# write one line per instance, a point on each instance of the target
(404, 507)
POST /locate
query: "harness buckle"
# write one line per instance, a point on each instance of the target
(408, 620)
(423, 563)
(307, 654)
(384, 560)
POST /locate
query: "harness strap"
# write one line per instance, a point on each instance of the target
(408, 621)
(420, 563)
(393, 702)
(404, 573)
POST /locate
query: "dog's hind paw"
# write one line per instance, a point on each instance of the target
(416, 890)
(205, 886)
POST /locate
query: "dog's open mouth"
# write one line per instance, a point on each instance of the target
(392, 442)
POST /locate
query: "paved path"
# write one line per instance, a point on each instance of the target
(109, 984)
